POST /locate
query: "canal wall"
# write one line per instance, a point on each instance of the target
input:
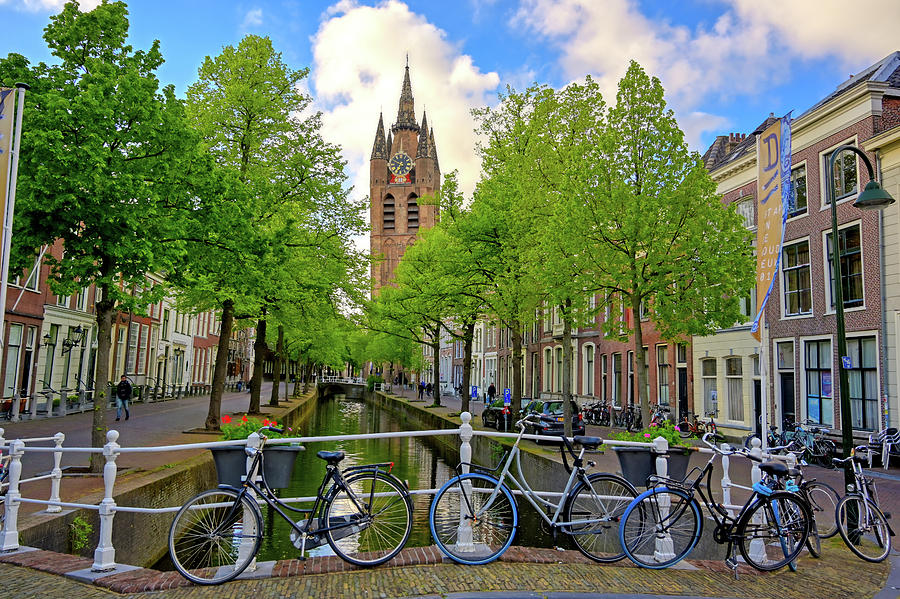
(142, 539)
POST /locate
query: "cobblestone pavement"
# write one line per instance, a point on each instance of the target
(838, 575)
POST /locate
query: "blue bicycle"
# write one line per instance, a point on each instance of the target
(663, 525)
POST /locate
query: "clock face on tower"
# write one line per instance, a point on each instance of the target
(400, 164)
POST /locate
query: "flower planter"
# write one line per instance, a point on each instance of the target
(278, 464)
(637, 464)
(679, 458)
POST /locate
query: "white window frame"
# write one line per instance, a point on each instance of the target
(795, 166)
(826, 267)
(782, 302)
(823, 166)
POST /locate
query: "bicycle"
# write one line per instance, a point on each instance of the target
(474, 517)
(365, 515)
(663, 524)
(862, 524)
(697, 427)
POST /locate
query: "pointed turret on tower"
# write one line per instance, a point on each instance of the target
(378, 148)
(422, 151)
(406, 112)
(433, 149)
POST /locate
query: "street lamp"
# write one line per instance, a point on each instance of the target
(77, 338)
(873, 197)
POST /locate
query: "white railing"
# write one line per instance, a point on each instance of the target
(347, 380)
(104, 554)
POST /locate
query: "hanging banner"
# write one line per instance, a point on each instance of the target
(7, 98)
(773, 182)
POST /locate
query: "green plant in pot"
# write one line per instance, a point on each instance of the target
(638, 463)
(231, 460)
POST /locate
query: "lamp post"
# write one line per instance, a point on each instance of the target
(874, 197)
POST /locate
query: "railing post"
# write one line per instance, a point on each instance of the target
(9, 536)
(56, 473)
(249, 537)
(665, 549)
(105, 553)
(34, 403)
(63, 400)
(14, 410)
(757, 546)
(464, 541)
(726, 478)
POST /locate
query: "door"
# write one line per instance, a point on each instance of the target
(682, 394)
(788, 411)
(757, 406)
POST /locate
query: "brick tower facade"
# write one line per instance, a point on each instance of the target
(403, 168)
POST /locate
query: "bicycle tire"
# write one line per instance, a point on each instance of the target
(200, 545)
(684, 429)
(590, 499)
(870, 540)
(784, 517)
(823, 500)
(381, 530)
(492, 531)
(644, 520)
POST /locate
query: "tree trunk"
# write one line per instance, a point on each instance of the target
(297, 377)
(276, 368)
(468, 338)
(221, 367)
(436, 371)
(105, 311)
(566, 309)
(307, 374)
(639, 360)
(516, 403)
(260, 349)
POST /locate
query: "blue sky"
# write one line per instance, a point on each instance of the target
(725, 64)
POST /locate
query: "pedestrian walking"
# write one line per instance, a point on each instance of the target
(123, 397)
(421, 389)
(492, 391)
(428, 389)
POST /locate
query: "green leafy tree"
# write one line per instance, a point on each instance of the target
(107, 161)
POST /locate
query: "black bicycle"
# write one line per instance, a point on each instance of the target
(363, 512)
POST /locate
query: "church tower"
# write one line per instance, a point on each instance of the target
(403, 167)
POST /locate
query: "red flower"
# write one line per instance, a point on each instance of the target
(244, 419)
(226, 419)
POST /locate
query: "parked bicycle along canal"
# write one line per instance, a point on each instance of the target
(421, 462)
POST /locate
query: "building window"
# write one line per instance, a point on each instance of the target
(548, 369)
(662, 365)
(388, 212)
(617, 379)
(863, 374)
(588, 388)
(559, 368)
(630, 391)
(798, 191)
(681, 353)
(710, 394)
(819, 396)
(646, 373)
(745, 211)
(142, 352)
(51, 354)
(844, 175)
(13, 347)
(797, 286)
(412, 213)
(785, 351)
(120, 351)
(851, 267)
(603, 377)
(734, 380)
(81, 299)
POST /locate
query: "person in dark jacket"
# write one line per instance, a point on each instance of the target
(123, 397)
(492, 391)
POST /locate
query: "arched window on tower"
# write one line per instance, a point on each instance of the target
(412, 212)
(388, 211)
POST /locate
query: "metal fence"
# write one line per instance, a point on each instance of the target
(16, 451)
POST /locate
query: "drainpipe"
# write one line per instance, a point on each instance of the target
(885, 416)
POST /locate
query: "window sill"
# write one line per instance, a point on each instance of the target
(831, 311)
(797, 316)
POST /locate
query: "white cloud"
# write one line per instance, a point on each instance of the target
(48, 5)
(253, 18)
(748, 47)
(358, 63)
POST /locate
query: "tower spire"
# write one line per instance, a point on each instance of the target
(378, 148)
(406, 115)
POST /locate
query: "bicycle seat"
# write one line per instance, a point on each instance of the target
(774, 468)
(588, 442)
(331, 457)
(794, 472)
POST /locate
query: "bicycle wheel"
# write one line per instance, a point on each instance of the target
(595, 508)
(773, 530)
(684, 429)
(372, 516)
(660, 527)
(473, 519)
(823, 500)
(870, 537)
(215, 536)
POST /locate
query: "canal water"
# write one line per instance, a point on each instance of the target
(420, 461)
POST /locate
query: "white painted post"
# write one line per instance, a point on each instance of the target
(34, 402)
(9, 536)
(14, 411)
(464, 541)
(248, 541)
(62, 403)
(757, 546)
(665, 549)
(105, 553)
(56, 473)
(726, 478)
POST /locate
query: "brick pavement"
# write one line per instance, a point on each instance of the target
(838, 575)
